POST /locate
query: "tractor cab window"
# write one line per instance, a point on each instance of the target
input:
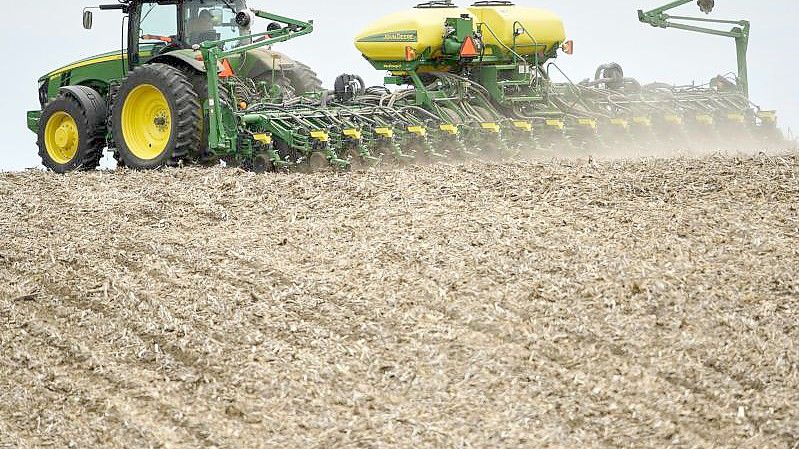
(159, 23)
(210, 20)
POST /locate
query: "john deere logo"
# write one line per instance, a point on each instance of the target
(393, 36)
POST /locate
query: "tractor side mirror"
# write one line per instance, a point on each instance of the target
(88, 19)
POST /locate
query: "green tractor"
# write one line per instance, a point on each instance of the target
(195, 85)
(148, 102)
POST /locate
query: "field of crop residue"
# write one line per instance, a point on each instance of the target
(565, 303)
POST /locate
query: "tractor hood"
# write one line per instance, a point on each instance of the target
(110, 57)
(97, 71)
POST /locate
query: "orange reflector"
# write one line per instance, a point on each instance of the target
(469, 49)
(227, 70)
(410, 54)
(568, 47)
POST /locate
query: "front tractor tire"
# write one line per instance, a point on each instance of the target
(70, 137)
(155, 118)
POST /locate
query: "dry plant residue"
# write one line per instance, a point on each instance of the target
(571, 304)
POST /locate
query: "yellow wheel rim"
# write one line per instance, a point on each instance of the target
(61, 137)
(146, 122)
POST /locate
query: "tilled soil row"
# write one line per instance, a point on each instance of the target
(566, 303)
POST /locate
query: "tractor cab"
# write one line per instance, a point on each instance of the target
(189, 22)
(161, 26)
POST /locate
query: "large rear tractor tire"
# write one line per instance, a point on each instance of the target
(202, 154)
(70, 138)
(303, 79)
(156, 118)
(295, 81)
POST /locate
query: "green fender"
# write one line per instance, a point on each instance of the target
(180, 58)
(255, 63)
(262, 62)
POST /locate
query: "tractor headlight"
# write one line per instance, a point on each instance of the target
(44, 84)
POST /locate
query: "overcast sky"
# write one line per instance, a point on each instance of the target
(47, 34)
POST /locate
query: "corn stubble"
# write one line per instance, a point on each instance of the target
(567, 303)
